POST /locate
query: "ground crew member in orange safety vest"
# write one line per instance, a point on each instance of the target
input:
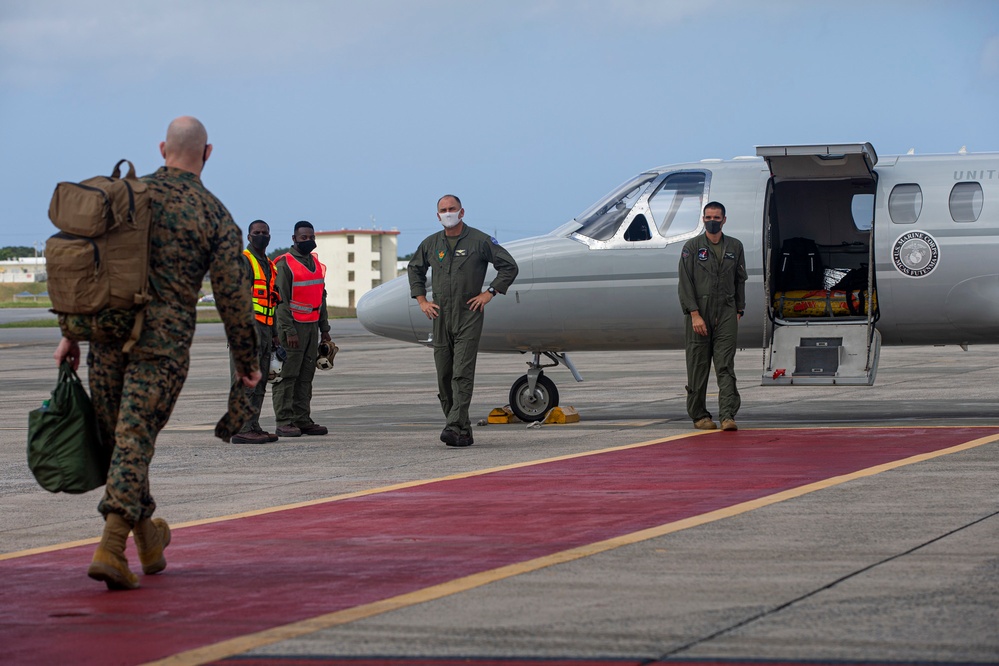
(261, 273)
(301, 322)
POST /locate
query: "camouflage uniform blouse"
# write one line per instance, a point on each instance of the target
(192, 234)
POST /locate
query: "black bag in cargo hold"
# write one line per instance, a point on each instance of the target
(99, 261)
(799, 265)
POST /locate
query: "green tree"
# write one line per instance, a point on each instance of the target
(275, 253)
(15, 252)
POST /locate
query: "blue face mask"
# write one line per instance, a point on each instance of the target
(713, 226)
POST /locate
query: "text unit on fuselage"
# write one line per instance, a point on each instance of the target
(913, 237)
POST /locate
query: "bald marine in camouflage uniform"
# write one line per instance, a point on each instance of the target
(192, 233)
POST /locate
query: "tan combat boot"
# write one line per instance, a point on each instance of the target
(109, 563)
(152, 536)
(705, 423)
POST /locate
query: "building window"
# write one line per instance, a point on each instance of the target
(376, 243)
(905, 203)
(350, 239)
(375, 283)
(350, 257)
(966, 202)
(350, 276)
(376, 265)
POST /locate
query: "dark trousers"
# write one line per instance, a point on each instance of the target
(256, 394)
(456, 347)
(717, 346)
(293, 394)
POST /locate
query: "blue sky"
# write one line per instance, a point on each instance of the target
(360, 114)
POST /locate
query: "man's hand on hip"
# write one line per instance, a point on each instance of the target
(479, 302)
(429, 308)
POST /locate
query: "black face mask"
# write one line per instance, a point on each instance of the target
(259, 243)
(306, 247)
(712, 226)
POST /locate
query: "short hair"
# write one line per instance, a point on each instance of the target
(453, 196)
(250, 228)
(715, 204)
(303, 223)
(186, 135)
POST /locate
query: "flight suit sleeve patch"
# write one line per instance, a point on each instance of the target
(685, 253)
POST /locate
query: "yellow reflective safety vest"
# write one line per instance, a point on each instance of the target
(307, 287)
(264, 295)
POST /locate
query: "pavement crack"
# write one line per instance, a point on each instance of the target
(777, 609)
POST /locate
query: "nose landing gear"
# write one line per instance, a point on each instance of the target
(533, 394)
(529, 404)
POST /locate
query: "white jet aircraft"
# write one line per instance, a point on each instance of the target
(903, 250)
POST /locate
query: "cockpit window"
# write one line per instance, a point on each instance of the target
(601, 220)
(676, 205)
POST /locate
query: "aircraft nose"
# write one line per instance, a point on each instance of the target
(385, 310)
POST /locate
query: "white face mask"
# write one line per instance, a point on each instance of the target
(449, 219)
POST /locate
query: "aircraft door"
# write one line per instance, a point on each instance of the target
(819, 269)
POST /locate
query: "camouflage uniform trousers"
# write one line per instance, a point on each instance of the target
(134, 395)
(256, 394)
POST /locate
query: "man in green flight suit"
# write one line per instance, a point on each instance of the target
(459, 256)
(301, 322)
(712, 286)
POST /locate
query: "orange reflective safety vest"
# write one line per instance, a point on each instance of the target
(264, 296)
(306, 287)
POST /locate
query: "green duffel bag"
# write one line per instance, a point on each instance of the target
(65, 452)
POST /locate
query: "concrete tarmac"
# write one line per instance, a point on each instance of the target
(899, 566)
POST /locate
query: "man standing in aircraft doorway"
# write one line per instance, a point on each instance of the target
(712, 286)
(301, 321)
(459, 256)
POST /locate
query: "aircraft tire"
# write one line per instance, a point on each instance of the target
(530, 408)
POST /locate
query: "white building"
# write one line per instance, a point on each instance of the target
(357, 260)
(32, 269)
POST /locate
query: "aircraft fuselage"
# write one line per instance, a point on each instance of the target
(597, 286)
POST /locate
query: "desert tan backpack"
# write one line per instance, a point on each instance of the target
(99, 260)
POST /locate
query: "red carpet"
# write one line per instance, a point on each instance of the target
(245, 575)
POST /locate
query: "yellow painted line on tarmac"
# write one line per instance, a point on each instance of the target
(294, 630)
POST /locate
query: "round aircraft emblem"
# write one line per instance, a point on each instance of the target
(915, 254)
